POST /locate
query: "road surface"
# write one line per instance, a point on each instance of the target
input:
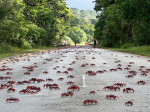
(52, 61)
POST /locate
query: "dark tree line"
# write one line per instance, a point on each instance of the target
(31, 23)
(123, 22)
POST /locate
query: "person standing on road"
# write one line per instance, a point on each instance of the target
(95, 42)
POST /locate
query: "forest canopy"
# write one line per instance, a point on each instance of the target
(123, 22)
(32, 23)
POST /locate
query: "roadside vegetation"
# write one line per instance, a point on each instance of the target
(123, 22)
(9, 51)
(141, 50)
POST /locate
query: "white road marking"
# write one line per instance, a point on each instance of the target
(83, 80)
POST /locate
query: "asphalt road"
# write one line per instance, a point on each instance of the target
(60, 60)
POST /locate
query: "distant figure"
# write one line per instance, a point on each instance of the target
(95, 42)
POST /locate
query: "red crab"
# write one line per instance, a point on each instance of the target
(4, 66)
(6, 85)
(119, 65)
(128, 90)
(33, 88)
(90, 102)
(58, 72)
(132, 72)
(44, 62)
(9, 69)
(129, 103)
(66, 72)
(30, 70)
(26, 82)
(111, 96)
(92, 92)
(119, 84)
(70, 82)
(93, 57)
(49, 79)
(74, 88)
(147, 69)
(11, 82)
(67, 94)
(144, 74)
(83, 65)
(40, 80)
(60, 79)
(1, 78)
(111, 88)
(131, 62)
(33, 92)
(141, 82)
(129, 76)
(108, 87)
(7, 77)
(116, 88)
(113, 69)
(12, 100)
(129, 65)
(119, 68)
(2, 69)
(9, 73)
(48, 85)
(54, 87)
(142, 67)
(63, 67)
(127, 68)
(57, 67)
(24, 91)
(70, 69)
(71, 76)
(92, 64)
(100, 71)
(91, 73)
(10, 90)
(45, 72)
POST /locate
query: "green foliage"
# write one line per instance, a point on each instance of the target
(4, 48)
(67, 41)
(123, 22)
(128, 45)
(77, 35)
(85, 20)
(84, 13)
(26, 45)
(31, 23)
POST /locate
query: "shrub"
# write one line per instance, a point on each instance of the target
(5, 48)
(127, 46)
(26, 45)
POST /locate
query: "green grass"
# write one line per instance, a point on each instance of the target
(142, 50)
(17, 51)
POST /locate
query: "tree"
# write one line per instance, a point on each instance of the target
(122, 22)
(77, 35)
